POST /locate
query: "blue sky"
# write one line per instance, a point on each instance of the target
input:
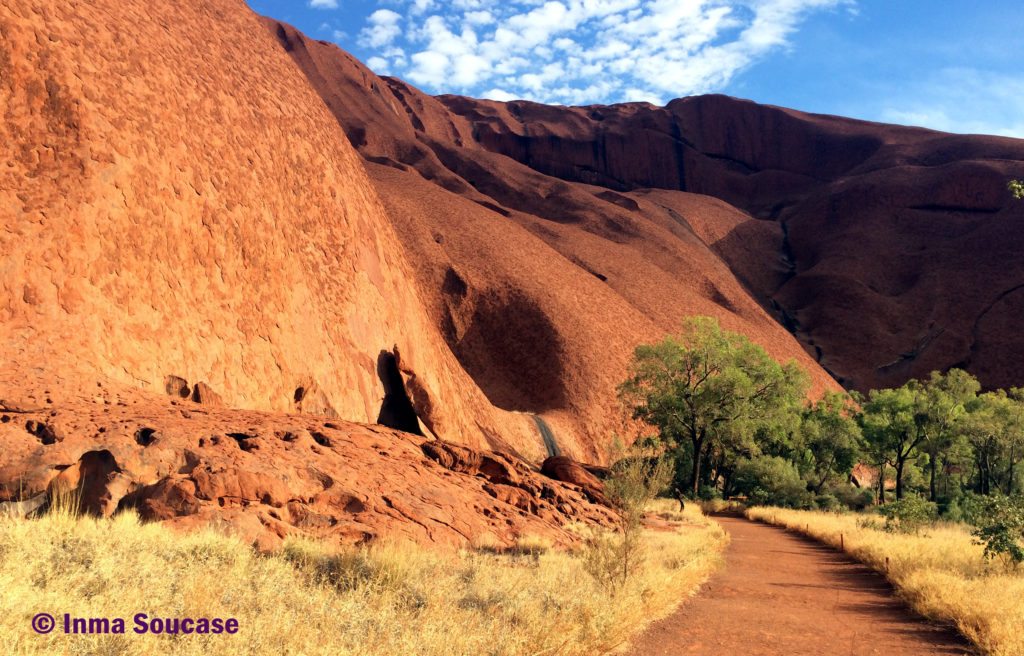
(953, 65)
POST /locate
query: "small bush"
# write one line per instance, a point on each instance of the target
(909, 515)
(854, 498)
(870, 523)
(613, 558)
(534, 546)
(1001, 529)
(828, 503)
(713, 506)
(771, 480)
(709, 493)
(349, 568)
(968, 508)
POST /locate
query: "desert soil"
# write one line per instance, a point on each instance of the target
(780, 593)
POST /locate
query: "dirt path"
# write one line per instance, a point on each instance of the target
(782, 594)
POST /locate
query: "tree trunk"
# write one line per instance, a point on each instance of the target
(931, 482)
(881, 484)
(708, 464)
(719, 467)
(727, 484)
(1010, 473)
(824, 477)
(698, 444)
(899, 478)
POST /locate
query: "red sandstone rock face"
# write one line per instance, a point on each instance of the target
(897, 245)
(542, 287)
(567, 470)
(887, 251)
(193, 220)
(196, 223)
(186, 232)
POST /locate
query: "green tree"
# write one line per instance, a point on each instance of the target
(831, 437)
(1017, 188)
(1001, 529)
(993, 429)
(890, 430)
(708, 385)
(940, 403)
(910, 514)
(1014, 437)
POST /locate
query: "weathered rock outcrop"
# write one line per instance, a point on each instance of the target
(267, 475)
(567, 470)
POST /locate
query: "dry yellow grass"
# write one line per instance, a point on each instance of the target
(390, 599)
(941, 572)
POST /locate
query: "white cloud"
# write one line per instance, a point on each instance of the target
(479, 17)
(583, 51)
(421, 7)
(429, 68)
(323, 4)
(381, 29)
(379, 65)
(499, 94)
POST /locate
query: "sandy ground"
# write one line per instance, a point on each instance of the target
(780, 593)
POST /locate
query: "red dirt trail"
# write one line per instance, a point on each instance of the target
(781, 594)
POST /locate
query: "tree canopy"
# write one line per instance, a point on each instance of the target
(710, 390)
(736, 422)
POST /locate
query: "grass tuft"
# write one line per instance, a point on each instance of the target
(310, 598)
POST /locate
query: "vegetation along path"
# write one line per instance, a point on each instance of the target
(780, 593)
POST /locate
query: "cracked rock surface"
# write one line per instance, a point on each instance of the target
(265, 475)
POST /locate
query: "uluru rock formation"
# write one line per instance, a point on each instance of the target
(887, 251)
(190, 225)
(542, 287)
(255, 282)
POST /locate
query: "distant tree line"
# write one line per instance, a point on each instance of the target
(734, 422)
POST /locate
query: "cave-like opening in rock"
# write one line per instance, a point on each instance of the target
(396, 411)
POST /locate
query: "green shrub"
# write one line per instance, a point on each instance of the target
(771, 480)
(709, 493)
(968, 508)
(854, 498)
(910, 514)
(1000, 527)
(828, 503)
(870, 522)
